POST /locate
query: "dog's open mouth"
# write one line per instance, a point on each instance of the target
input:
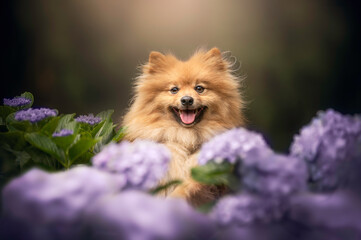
(188, 117)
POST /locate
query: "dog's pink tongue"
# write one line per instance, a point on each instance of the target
(188, 116)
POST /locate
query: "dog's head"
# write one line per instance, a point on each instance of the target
(201, 90)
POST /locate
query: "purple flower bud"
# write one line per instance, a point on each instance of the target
(232, 145)
(63, 133)
(327, 144)
(246, 209)
(35, 115)
(89, 119)
(142, 163)
(16, 101)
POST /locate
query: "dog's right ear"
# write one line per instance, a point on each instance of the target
(157, 62)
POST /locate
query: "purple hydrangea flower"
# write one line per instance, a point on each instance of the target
(142, 163)
(326, 144)
(89, 119)
(337, 210)
(52, 203)
(35, 115)
(63, 133)
(274, 176)
(16, 101)
(233, 144)
(246, 209)
(136, 215)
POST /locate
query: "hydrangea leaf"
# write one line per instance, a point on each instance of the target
(42, 159)
(165, 186)
(15, 139)
(64, 142)
(80, 147)
(213, 173)
(106, 115)
(4, 112)
(22, 157)
(50, 126)
(64, 121)
(45, 144)
(105, 134)
(119, 134)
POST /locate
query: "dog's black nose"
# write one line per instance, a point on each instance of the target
(187, 101)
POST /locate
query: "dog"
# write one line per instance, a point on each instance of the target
(183, 104)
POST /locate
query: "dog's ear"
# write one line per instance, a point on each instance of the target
(214, 56)
(157, 62)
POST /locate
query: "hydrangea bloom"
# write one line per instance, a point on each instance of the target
(16, 101)
(233, 144)
(63, 133)
(326, 144)
(52, 203)
(142, 163)
(246, 209)
(89, 119)
(275, 175)
(35, 115)
(136, 215)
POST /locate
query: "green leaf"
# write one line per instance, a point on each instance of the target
(215, 174)
(42, 159)
(4, 113)
(65, 121)
(84, 158)
(14, 139)
(165, 186)
(80, 147)
(64, 142)
(119, 134)
(22, 157)
(49, 128)
(45, 144)
(105, 134)
(106, 115)
(29, 96)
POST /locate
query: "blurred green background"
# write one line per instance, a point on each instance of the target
(81, 56)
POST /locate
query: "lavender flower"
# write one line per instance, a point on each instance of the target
(135, 215)
(63, 133)
(89, 119)
(246, 209)
(326, 144)
(274, 176)
(16, 101)
(233, 144)
(35, 115)
(53, 203)
(142, 163)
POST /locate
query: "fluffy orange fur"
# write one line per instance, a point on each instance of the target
(150, 115)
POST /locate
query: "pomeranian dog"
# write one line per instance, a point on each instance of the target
(183, 104)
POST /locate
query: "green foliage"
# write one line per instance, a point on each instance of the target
(216, 174)
(24, 144)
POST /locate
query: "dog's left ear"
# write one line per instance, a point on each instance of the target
(214, 56)
(157, 62)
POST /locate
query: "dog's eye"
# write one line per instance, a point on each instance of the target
(174, 90)
(199, 89)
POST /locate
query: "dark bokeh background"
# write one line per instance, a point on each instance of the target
(81, 56)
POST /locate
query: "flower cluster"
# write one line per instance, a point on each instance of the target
(35, 114)
(16, 101)
(325, 144)
(56, 200)
(63, 133)
(243, 209)
(142, 163)
(89, 119)
(232, 145)
(274, 176)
